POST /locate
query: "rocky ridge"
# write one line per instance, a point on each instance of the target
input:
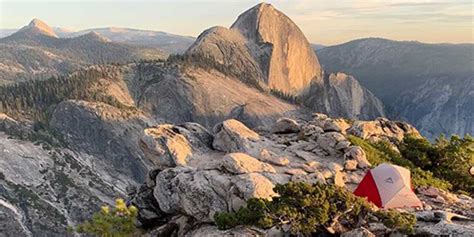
(44, 189)
(193, 182)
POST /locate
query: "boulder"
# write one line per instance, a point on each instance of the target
(272, 158)
(327, 174)
(280, 161)
(311, 131)
(350, 165)
(318, 176)
(331, 126)
(254, 185)
(339, 179)
(197, 135)
(342, 124)
(285, 125)
(359, 232)
(202, 193)
(429, 191)
(241, 163)
(311, 179)
(335, 167)
(295, 172)
(307, 156)
(354, 177)
(309, 168)
(444, 228)
(213, 231)
(319, 116)
(165, 146)
(199, 194)
(358, 154)
(233, 136)
(382, 129)
(343, 145)
(327, 142)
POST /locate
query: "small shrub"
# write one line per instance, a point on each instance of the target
(310, 208)
(453, 160)
(403, 222)
(111, 222)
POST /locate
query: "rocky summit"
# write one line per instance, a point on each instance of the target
(270, 52)
(287, 60)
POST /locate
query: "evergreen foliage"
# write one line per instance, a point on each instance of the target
(209, 63)
(37, 99)
(450, 159)
(111, 222)
(286, 96)
(310, 208)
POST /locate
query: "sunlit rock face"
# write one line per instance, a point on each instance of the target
(286, 57)
(268, 51)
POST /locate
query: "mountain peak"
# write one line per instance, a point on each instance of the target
(289, 62)
(37, 26)
(263, 6)
(93, 36)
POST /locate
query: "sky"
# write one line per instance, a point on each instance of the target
(325, 22)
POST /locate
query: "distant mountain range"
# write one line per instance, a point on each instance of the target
(395, 71)
(429, 85)
(169, 43)
(36, 51)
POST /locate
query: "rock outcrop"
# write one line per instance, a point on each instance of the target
(232, 135)
(105, 131)
(271, 53)
(221, 180)
(382, 129)
(288, 62)
(44, 189)
(266, 46)
(340, 95)
(205, 97)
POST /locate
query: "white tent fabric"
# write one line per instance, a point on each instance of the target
(394, 186)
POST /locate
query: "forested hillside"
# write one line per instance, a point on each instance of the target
(36, 99)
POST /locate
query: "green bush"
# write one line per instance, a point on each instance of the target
(307, 209)
(381, 152)
(418, 150)
(403, 222)
(111, 222)
(447, 159)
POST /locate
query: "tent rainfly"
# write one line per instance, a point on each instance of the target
(388, 186)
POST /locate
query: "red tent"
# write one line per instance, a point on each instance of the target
(388, 186)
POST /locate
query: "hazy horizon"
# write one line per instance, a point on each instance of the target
(323, 22)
